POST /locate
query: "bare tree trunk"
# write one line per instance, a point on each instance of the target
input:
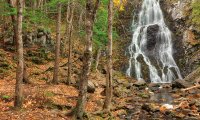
(70, 29)
(24, 3)
(107, 103)
(57, 53)
(67, 28)
(45, 6)
(20, 65)
(41, 5)
(97, 59)
(91, 9)
(80, 20)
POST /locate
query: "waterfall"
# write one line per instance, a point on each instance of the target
(152, 45)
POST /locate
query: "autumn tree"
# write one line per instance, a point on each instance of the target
(91, 10)
(20, 64)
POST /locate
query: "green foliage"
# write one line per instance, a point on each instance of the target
(196, 13)
(7, 10)
(101, 25)
(6, 97)
(53, 3)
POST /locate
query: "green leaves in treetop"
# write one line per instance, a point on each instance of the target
(53, 3)
(101, 25)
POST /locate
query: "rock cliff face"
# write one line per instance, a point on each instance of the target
(186, 36)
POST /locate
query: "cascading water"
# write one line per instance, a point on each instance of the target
(152, 42)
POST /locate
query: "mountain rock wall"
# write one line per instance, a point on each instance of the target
(178, 17)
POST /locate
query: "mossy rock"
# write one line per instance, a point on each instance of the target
(120, 91)
(144, 95)
(37, 60)
(40, 56)
(5, 66)
(51, 105)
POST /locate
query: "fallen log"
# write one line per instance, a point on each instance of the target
(193, 87)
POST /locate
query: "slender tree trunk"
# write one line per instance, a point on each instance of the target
(20, 65)
(97, 58)
(12, 4)
(34, 6)
(57, 53)
(70, 29)
(80, 20)
(91, 10)
(45, 6)
(41, 5)
(24, 3)
(108, 99)
(67, 28)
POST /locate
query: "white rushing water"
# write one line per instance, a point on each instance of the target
(157, 54)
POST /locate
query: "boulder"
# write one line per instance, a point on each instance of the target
(149, 108)
(120, 91)
(152, 36)
(181, 84)
(90, 87)
(140, 83)
(194, 76)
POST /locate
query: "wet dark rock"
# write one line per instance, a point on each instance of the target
(153, 86)
(152, 32)
(90, 87)
(181, 84)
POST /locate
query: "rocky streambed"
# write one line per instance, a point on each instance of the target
(138, 100)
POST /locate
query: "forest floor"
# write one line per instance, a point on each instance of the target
(131, 100)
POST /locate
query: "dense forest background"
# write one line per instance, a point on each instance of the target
(66, 59)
